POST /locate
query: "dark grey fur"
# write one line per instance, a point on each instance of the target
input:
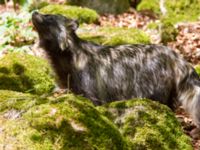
(109, 73)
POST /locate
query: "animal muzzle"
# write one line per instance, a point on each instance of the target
(37, 18)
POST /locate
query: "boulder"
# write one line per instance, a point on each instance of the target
(113, 35)
(25, 73)
(83, 15)
(147, 125)
(67, 122)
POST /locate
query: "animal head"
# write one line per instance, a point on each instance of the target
(55, 30)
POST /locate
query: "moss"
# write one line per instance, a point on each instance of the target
(153, 25)
(11, 100)
(83, 15)
(37, 4)
(67, 122)
(25, 73)
(197, 69)
(168, 32)
(177, 11)
(16, 130)
(183, 10)
(147, 125)
(152, 5)
(114, 35)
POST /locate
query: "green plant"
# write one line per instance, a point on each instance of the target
(16, 32)
(168, 32)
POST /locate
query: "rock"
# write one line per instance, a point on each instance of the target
(147, 124)
(176, 11)
(103, 6)
(25, 73)
(73, 122)
(113, 35)
(83, 15)
(67, 122)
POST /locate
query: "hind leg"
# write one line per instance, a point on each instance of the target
(189, 96)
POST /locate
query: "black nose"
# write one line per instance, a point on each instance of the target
(37, 17)
(35, 13)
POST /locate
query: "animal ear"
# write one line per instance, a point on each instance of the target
(73, 25)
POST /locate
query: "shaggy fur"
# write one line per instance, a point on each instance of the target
(109, 73)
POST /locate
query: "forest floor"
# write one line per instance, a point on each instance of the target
(187, 43)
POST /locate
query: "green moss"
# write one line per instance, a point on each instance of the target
(25, 73)
(177, 11)
(10, 100)
(152, 5)
(16, 130)
(147, 125)
(114, 35)
(197, 68)
(37, 4)
(68, 122)
(153, 25)
(168, 31)
(183, 10)
(83, 15)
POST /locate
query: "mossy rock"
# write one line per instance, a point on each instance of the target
(177, 11)
(183, 10)
(113, 35)
(103, 6)
(152, 5)
(37, 4)
(68, 122)
(147, 125)
(153, 26)
(168, 32)
(83, 15)
(25, 73)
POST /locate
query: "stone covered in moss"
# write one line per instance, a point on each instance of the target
(183, 10)
(177, 11)
(152, 5)
(25, 73)
(147, 125)
(114, 35)
(83, 15)
(168, 32)
(67, 122)
(103, 6)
